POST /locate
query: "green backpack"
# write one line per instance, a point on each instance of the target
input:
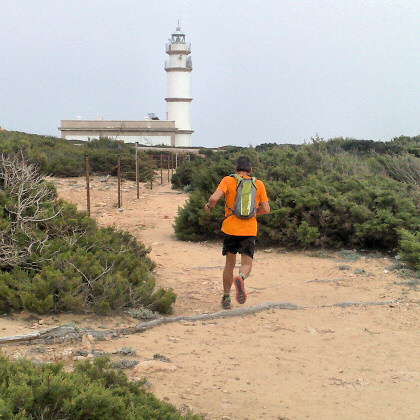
(244, 204)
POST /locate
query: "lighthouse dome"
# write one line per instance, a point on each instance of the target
(178, 31)
(178, 37)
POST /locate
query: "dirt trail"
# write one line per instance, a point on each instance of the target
(319, 362)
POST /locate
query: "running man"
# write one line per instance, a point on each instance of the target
(240, 234)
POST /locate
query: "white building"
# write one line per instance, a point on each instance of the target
(174, 131)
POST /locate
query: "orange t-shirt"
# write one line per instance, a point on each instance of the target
(232, 225)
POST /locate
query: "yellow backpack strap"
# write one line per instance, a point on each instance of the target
(237, 183)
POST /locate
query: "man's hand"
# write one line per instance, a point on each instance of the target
(214, 198)
(264, 208)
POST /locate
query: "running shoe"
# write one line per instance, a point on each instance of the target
(238, 281)
(226, 302)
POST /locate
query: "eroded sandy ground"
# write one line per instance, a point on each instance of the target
(318, 362)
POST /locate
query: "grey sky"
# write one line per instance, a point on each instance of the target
(264, 71)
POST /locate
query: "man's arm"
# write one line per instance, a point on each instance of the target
(264, 208)
(214, 198)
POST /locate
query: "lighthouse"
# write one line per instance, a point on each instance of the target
(151, 131)
(178, 87)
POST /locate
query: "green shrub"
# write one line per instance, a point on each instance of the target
(54, 258)
(409, 248)
(332, 194)
(92, 391)
(64, 158)
(184, 175)
(83, 268)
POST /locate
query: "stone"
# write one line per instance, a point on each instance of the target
(149, 366)
(65, 355)
(87, 341)
(311, 330)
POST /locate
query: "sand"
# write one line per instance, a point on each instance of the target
(322, 361)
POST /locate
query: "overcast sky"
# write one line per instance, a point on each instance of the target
(264, 71)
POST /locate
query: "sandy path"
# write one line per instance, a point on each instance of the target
(321, 362)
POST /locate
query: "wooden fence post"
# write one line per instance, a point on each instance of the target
(119, 181)
(161, 169)
(151, 171)
(137, 173)
(87, 184)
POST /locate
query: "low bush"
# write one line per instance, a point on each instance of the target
(409, 248)
(92, 391)
(332, 194)
(64, 158)
(54, 258)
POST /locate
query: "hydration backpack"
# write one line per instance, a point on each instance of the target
(244, 205)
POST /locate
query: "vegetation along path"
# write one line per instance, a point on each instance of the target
(320, 336)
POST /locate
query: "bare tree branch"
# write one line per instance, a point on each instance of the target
(29, 201)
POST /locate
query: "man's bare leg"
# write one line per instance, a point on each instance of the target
(244, 271)
(246, 265)
(228, 272)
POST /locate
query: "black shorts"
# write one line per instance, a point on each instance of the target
(242, 244)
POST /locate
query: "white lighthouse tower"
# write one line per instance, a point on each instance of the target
(178, 87)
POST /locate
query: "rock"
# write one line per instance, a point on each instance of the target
(65, 355)
(17, 356)
(87, 341)
(125, 364)
(149, 366)
(82, 353)
(39, 350)
(194, 296)
(184, 408)
(161, 357)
